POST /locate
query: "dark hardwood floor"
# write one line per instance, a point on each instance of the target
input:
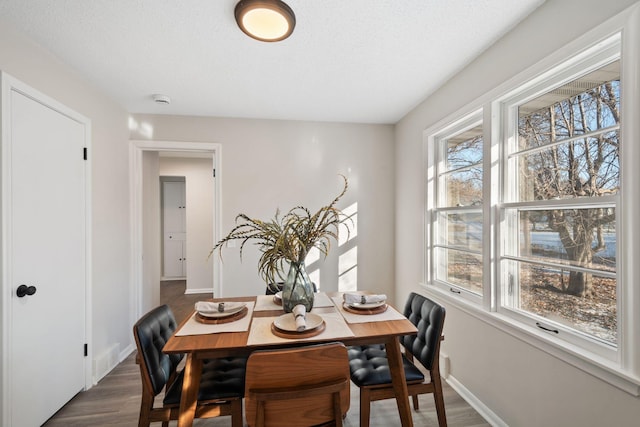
(115, 401)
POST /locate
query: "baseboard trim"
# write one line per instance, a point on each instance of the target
(105, 362)
(172, 279)
(476, 403)
(108, 360)
(198, 291)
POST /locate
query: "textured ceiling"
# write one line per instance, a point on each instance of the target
(368, 61)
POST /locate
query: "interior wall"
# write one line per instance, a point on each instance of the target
(110, 223)
(522, 385)
(199, 202)
(268, 165)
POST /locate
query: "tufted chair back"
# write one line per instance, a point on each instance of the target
(221, 383)
(429, 319)
(151, 333)
(369, 366)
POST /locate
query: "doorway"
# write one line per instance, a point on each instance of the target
(145, 172)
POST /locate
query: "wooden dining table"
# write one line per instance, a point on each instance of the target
(214, 345)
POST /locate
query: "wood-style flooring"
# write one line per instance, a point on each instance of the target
(115, 401)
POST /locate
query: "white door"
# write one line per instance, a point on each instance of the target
(175, 227)
(46, 252)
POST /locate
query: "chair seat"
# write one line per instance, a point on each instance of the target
(369, 366)
(221, 379)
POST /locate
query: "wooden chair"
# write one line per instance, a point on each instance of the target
(370, 368)
(221, 385)
(295, 387)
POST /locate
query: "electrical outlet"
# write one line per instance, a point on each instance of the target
(445, 365)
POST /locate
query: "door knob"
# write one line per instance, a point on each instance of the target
(24, 290)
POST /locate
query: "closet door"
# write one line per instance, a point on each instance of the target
(175, 227)
(45, 217)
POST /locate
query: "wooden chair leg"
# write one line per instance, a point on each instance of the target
(365, 407)
(337, 409)
(236, 413)
(145, 410)
(438, 397)
(416, 406)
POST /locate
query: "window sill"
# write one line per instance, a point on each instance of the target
(592, 364)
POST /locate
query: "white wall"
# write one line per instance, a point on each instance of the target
(111, 291)
(199, 201)
(522, 385)
(266, 165)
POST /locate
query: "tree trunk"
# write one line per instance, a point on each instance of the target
(579, 282)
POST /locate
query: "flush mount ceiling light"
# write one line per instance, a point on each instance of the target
(265, 20)
(161, 99)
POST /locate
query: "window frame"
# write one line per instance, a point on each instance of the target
(591, 59)
(623, 369)
(435, 158)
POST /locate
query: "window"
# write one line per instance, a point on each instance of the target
(560, 194)
(530, 208)
(457, 220)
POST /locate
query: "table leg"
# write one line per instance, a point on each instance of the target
(190, 386)
(394, 357)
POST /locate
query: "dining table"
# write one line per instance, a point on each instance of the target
(255, 331)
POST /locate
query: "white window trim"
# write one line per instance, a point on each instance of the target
(434, 157)
(624, 372)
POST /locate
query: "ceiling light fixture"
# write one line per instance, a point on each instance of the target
(161, 99)
(265, 20)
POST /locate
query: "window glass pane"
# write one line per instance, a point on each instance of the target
(461, 229)
(546, 292)
(460, 179)
(463, 188)
(588, 167)
(581, 106)
(578, 237)
(460, 268)
(465, 149)
(572, 134)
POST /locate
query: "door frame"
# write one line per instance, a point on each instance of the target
(9, 84)
(137, 149)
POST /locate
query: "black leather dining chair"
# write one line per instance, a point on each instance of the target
(221, 384)
(369, 366)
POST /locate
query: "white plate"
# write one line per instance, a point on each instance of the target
(230, 308)
(367, 306)
(287, 322)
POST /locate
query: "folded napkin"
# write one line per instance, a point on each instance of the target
(299, 311)
(353, 298)
(218, 307)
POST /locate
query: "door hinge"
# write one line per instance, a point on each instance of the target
(86, 350)
(84, 153)
(214, 173)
